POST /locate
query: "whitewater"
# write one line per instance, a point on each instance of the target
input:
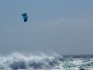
(19, 61)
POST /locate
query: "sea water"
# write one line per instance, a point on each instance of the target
(18, 61)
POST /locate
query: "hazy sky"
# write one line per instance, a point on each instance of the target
(62, 26)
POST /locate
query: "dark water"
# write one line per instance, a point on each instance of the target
(43, 62)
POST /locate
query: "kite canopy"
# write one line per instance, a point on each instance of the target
(25, 17)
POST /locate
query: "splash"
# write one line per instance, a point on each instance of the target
(18, 61)
(21, 61)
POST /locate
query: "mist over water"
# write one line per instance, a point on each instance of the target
(17, 61)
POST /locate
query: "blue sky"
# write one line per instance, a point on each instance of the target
(62, 26)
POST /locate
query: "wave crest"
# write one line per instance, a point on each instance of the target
(21, 61)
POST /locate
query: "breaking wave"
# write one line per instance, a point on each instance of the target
(21, 61)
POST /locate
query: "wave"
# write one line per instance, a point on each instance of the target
(22, 61)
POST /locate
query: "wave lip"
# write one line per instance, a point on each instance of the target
(20, 61)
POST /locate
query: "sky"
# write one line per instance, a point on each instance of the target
(60, 26)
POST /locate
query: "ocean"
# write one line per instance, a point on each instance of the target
(19, 61)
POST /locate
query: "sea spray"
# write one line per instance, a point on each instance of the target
(17, 61)
(21, 61)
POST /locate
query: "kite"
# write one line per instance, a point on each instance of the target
(25, 17)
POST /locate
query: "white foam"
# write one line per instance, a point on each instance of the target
(30, 62)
